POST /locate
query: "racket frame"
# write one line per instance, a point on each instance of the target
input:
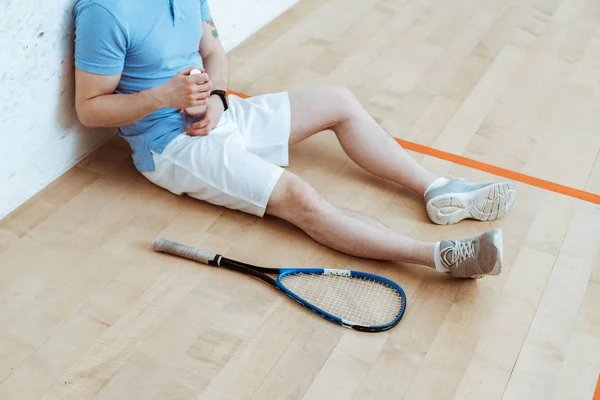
(333, 318)
(217, 260)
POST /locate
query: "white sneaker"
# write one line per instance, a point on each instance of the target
(458, 199)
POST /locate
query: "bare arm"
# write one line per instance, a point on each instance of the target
(217, 66)
(214, 57)
(98, 106)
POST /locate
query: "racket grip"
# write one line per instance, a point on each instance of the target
(167, 246)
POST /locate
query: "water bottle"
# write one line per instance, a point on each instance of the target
(194, 114)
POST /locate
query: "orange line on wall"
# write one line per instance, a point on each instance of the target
(505, 173)
(597, 393)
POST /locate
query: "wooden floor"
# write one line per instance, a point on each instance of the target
(88, 310)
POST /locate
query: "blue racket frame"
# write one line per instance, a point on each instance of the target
(217, 260)
(333, 318)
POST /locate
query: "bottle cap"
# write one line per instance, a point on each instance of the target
(195, 71)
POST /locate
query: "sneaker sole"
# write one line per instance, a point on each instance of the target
(486, 204)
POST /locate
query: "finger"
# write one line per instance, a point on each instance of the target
(205, 87)
(197, 127)
(199, 78)
(206, 127)
(201, 97)
(198, 99)
(194, 100)
(186, 71)
(197, 132)
(201, 124)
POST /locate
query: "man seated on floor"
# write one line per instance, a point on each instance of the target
(133, 62)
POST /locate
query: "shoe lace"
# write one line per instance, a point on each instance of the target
(462, 250)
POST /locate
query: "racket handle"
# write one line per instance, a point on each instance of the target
(166, 246)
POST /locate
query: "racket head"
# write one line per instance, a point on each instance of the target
(353, 299)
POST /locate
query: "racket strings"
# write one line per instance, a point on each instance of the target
(358, 300)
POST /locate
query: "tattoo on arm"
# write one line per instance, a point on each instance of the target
(214, 28)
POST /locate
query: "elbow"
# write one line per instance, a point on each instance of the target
(85, 122)
(88, 123)
(217, 53)
(86, 118)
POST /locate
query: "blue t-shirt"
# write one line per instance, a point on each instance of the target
(148, 42)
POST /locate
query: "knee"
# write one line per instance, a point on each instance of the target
(346, 101)
(306, 204)
(345, 96)
(297, 202)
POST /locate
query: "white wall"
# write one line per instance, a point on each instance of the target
(40, 137)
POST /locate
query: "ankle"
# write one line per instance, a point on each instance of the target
(437, 183)
(439, 266)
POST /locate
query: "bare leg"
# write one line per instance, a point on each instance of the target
(295, 201)
(365, 218)
(365, 142)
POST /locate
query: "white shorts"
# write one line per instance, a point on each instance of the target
(238, 164)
